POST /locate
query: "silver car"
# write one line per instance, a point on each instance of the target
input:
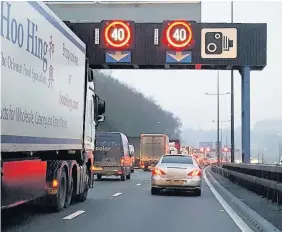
(176, 172)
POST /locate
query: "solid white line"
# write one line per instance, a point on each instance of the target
(73, 215)
(116, 194)
(234, 216)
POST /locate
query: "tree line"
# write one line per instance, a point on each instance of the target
(130, 112)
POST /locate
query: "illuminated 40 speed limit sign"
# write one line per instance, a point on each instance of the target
(177, 35)
(117, 35)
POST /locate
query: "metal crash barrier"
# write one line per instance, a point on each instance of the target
(265, 180)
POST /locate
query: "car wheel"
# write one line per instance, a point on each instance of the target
(128, 176)
(122, 177)
(99, 177)
(154, 191)
(199, 192)
(132, 170)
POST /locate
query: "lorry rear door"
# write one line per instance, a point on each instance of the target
(159, 146)
(109, 150)
(146, 147)
(152, 147)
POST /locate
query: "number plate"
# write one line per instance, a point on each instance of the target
(98, 169)
(175, 181)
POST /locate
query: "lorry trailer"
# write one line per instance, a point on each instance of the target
(152, 147)
(49, 109)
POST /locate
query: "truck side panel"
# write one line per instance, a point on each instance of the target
(42, 76)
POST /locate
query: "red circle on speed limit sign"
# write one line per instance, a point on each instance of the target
(118, 34)
(178, 34)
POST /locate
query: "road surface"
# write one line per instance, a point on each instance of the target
(115, 206)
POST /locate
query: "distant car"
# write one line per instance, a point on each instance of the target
(176, 172)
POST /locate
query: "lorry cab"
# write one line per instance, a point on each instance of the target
(132, 157)
(94, 110)
(112, 157)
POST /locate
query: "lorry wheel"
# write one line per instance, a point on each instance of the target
(69, 195)
(62, 193)
(128, 176)
(83, 196)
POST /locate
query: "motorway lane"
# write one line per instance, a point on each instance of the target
(135, 209)
(30, 218)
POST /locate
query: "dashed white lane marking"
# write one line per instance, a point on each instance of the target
(145, 181)
(234, 216)
(73, 215)
(115, 195)
(138, 184)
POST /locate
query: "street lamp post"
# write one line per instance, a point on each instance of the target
(258, 152)
(262, 155)
(221, 132)
(218, 94)
(232, 102)
(218, 151)
(279, 146)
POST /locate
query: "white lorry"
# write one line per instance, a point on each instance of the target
(49, 109)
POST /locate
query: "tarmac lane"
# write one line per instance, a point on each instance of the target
(121, 206)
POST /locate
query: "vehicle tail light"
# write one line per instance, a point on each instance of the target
(122, 161)
(196, 172)
(158, 172)
(55, 183)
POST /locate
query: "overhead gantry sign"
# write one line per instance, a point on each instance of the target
(179, 44)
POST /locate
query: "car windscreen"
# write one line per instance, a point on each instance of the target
(176, 159)
(108, 145)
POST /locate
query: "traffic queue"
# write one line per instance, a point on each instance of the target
(171, 168)
(114, 156)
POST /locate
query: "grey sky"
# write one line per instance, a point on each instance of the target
(183, 92)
